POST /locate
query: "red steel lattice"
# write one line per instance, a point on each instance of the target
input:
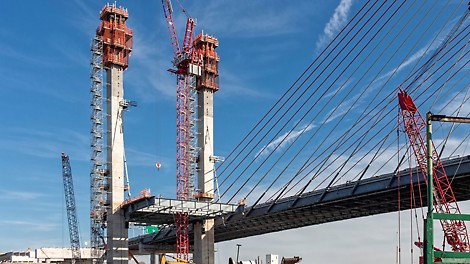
(455, 231)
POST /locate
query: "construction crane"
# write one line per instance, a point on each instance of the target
(187, 67)
(455, 231)
(71, 209)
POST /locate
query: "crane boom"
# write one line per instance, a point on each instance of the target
(71, 208)
(455, 231)
(168, 11)
(188, 35)
(186, 118)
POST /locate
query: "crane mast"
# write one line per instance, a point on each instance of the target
(187, 68)
(455, 231)
(71, 208)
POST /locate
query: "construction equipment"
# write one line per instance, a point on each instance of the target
(293, 260)
(444, 200)
(178, 260)
(187, 68)
(71, 209)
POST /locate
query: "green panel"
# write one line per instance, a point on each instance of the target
(151, 229)
(454, 260)
(463, 217)
(447, 254)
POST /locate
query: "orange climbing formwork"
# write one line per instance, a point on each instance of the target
(116, 36)
(205, 46)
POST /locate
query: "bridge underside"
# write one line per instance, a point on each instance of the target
(369, 196)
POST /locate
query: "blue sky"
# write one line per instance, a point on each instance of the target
(44, 70)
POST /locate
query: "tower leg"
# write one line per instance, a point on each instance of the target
(117, 234)
(204, 231)
(204, 242)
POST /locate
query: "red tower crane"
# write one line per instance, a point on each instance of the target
(187, 67)
(444, 200)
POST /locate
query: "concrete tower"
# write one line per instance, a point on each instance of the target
(207, 85)
(117, 46)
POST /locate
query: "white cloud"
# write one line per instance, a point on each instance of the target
(283, 140)
(413, 58)
(428, 48)
(340, 110)
(459, 105)
(336, 22)
(47, 144)
(233, 85)
(20, 195)
(31, 225)
(250, 19)
(140, 158)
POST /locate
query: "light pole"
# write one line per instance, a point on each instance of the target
(238, 251)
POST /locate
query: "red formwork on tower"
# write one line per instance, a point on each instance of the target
(204, 47)
(116, 36)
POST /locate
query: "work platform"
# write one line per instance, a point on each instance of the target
(161, 211)
(371, 196)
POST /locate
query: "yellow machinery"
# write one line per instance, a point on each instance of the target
(178, 260)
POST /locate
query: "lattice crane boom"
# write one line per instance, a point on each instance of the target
(168, 11)
(71, 208)
(455, 231)
(186, 110)
(188, 36)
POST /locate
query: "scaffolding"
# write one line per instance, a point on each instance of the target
(97, 175)
(193, 134)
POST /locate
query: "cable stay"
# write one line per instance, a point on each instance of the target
(318, 134)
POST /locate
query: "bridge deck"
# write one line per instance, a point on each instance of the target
(369, 196)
